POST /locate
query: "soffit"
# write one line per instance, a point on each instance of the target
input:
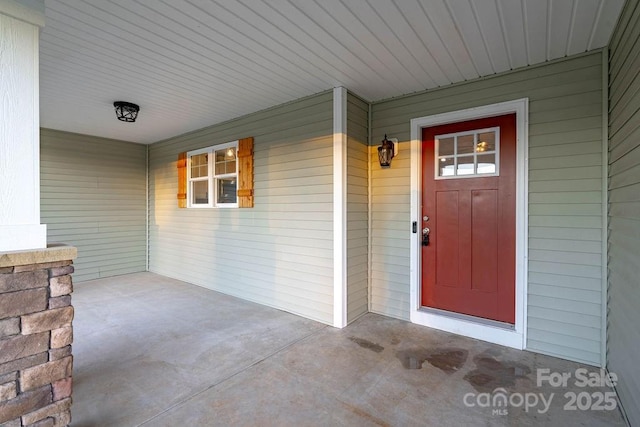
(194, 63)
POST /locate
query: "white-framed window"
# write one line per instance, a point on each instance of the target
(468, 154)
(212, 176)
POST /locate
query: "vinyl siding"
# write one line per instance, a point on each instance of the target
(279, 253)
(624, 209)
(357, 207)
(565, 198)
(390, 206)
(93, 196)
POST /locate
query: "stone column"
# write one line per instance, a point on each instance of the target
(35, 337)
(20, 227)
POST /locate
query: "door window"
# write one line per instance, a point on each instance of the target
(468, 154)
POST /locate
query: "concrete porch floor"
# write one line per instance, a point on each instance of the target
(153, 351)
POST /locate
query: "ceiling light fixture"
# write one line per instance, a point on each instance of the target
(126, 111)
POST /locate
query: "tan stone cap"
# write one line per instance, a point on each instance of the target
(54, 252)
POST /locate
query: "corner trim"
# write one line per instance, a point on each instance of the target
(605, 204)
(339, 207)
(369, 209)
(147, 214)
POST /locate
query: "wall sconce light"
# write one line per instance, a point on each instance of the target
(387, 150)
(126, 111)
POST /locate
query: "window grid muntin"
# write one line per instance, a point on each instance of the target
(474, 154)
(201, 167)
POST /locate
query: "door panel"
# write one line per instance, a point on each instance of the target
(469, 265)
(446, 256)
(484, 240)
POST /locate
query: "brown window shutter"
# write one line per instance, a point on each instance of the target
(182, 180)
(245, 173)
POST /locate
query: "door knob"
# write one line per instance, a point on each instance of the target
(425, 236)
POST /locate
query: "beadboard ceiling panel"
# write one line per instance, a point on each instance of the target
(194, 63)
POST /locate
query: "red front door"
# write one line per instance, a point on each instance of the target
(469, 199)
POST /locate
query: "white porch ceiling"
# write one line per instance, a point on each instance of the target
(194, 63)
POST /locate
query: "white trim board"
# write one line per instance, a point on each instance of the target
(339, 207)
(605, 206)
(510, 337)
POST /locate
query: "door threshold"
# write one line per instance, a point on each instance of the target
(470, 326)
(469, 318)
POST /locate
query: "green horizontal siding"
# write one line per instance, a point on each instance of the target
(357, 208)
(565, 198)
(624, 209)
(93, 196)
(279, 253)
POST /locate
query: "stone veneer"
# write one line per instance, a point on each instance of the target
(35, 337)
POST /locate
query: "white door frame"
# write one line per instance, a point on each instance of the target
(466, 325)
